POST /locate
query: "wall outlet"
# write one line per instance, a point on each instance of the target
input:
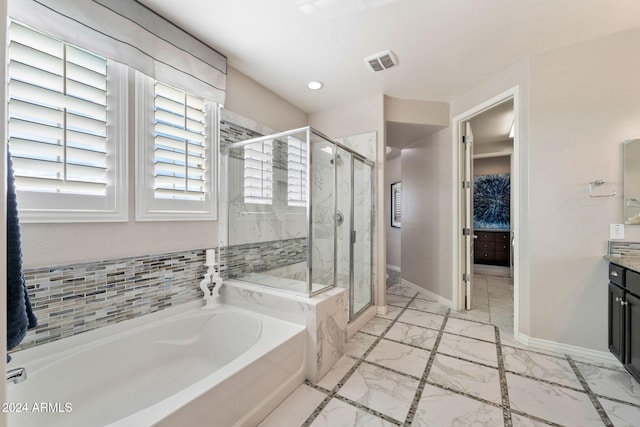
(616, 231)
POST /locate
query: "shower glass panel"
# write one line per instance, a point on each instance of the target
(288, 214)
(323, 207)
(266, 209)
(361, 237)
(343, 218)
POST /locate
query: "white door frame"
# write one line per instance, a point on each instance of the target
(457, 267)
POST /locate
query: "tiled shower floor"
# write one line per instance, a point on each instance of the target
(423, 365)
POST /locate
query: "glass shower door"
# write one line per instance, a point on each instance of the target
(353, 230)
(362, 207)
(343, 219)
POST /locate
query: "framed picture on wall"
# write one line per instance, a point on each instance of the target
(396, 204)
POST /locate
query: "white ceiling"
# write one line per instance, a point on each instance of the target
(444, 47)
(493, 125)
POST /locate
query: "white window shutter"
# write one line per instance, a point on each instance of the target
(296, 172)
(179, 145)
(258, 172)
(66, 146)
(175, 151)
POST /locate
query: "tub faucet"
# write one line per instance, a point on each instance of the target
(16, 375)
(211, 277)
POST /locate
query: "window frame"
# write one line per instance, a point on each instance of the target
(147, 207)
(51, 207)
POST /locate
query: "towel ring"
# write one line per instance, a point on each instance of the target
(598, 183)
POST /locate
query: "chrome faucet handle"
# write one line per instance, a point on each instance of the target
(16, 375)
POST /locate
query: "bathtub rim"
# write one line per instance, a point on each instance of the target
(63, 346)
(40, 357)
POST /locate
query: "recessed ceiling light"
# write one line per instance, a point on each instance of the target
(315, 85)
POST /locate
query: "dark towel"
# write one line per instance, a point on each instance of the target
(20, 315)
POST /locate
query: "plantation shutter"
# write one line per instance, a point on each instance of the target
(258, 172)
(57, 112)
(130, 33)
(296, 172)
(179, 145)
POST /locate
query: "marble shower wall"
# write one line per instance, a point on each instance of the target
(363, 144)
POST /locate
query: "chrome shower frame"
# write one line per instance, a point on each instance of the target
(309, 133)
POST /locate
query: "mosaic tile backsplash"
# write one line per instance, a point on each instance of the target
(261, 256)
(72, 299)
(617, 248)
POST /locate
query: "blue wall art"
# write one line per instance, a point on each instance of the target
(491, 199)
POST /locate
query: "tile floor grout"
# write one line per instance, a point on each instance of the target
(504, 389)
(594, 400)
(346, 377)
(423, 380)
(549, 354)
(506, 406)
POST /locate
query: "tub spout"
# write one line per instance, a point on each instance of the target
(16, 375)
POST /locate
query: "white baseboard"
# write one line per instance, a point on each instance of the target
(442, 300)
(393, 267)
(579, 353)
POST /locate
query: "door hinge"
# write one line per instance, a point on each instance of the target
(466, 231)
(466, 277)
(466, 139)
(466, 184)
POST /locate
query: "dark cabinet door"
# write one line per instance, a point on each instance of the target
(617, 322)
(632, 341)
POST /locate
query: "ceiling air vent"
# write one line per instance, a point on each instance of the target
(382, 60)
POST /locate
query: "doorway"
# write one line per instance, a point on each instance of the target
(473, 140)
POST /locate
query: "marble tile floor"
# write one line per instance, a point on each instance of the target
(424, 365)
(492, 301)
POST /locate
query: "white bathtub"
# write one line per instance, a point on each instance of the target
(228, 367)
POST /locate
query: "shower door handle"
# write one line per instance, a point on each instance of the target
(353, 236)
(339, 218)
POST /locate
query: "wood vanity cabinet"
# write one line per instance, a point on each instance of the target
(624, 317)
(492, 247)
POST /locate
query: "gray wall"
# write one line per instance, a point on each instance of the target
(577, 105)
(492, 165)
(584, 104)
(427, 220)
